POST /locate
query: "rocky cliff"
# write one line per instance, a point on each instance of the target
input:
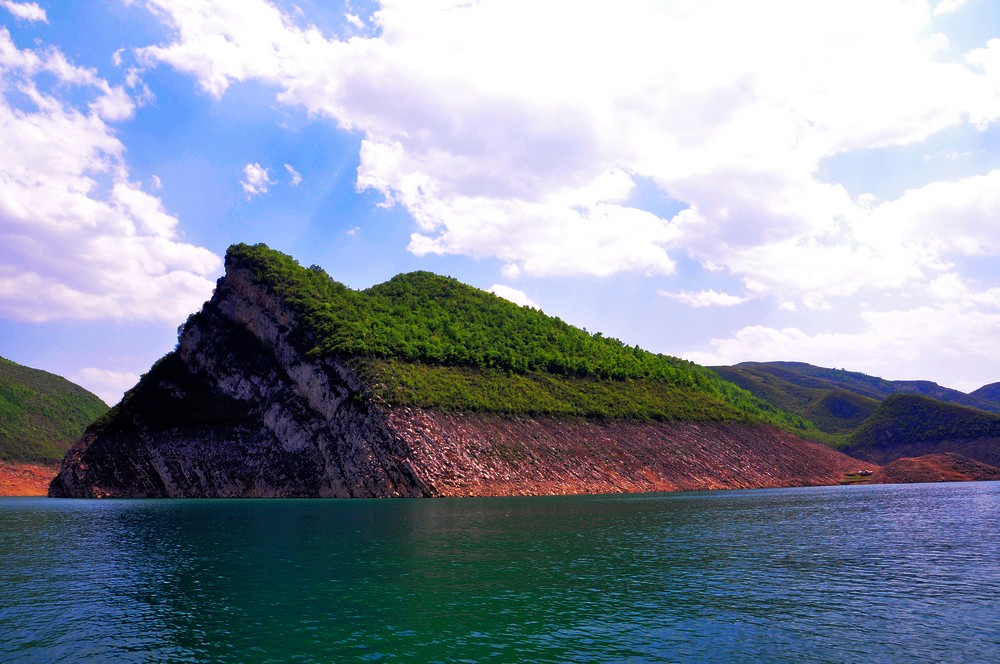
(245, 407)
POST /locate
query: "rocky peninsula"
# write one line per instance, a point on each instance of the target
(287, 384)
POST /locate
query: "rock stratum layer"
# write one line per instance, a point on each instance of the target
(240, 410)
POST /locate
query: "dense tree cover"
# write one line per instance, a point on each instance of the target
(41, 414)
(433, 341)
(467, 389)
(908, 418)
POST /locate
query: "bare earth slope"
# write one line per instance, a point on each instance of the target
(239, 410)
(942, 467)
(490, 455)
(19, 478)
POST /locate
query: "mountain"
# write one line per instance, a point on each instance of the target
(288, 383)
(908, 425)
(988, 393)
(835, 401)
(797, 376)
(41, 414)
(877, 419)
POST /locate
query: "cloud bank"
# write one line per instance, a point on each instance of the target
(521, 131)
(530, 153)
(80, 239)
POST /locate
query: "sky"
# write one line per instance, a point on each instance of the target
(718, 180)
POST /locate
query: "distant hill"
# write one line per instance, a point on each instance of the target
(41, 414)
(802, 375)
(905, 419)
(835, 401)
(877, 419)
(907, 425)
(989, 393)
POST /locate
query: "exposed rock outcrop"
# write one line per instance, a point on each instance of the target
(239, 409)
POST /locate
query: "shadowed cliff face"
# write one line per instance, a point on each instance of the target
(238, 409)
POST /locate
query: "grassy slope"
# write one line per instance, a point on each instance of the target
(427, 340)
(831, 405)
(908, 419)
(41, 414)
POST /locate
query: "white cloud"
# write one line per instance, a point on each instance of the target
(107, 384)
(296, 177)
(26, 11)
(530, 157)
(514, 295)
(256, 180)
(948, 7)
(906, 343)
(80, 239)
(705, 298)
(114, 105)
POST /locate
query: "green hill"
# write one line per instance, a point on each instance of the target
(874, 418)
(988, 393)
(41, 414)
(834, 406)
(430, 341)
(791, 375)
(905, 419)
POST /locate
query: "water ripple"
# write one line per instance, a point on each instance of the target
(833, 574)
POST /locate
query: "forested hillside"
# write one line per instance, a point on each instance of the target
(906, 419)
(878, 419)
(431, 341)
(41, 414)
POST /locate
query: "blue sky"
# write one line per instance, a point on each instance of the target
(719, 180)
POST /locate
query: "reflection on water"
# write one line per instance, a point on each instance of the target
(881, 573)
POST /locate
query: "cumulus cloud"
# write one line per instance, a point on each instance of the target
(26, 11)
(80, 239)
(256, 180)
(890, 344)
(530, 154)
(705, 298)
(947, 6)
(514, 295)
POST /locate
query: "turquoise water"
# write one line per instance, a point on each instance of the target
(838, 574)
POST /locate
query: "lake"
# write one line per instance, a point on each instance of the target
(830, 574)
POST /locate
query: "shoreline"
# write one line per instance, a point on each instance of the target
(20, 478)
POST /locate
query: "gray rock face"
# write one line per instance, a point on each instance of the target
(236, 410)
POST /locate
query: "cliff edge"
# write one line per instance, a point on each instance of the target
(265, 397)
